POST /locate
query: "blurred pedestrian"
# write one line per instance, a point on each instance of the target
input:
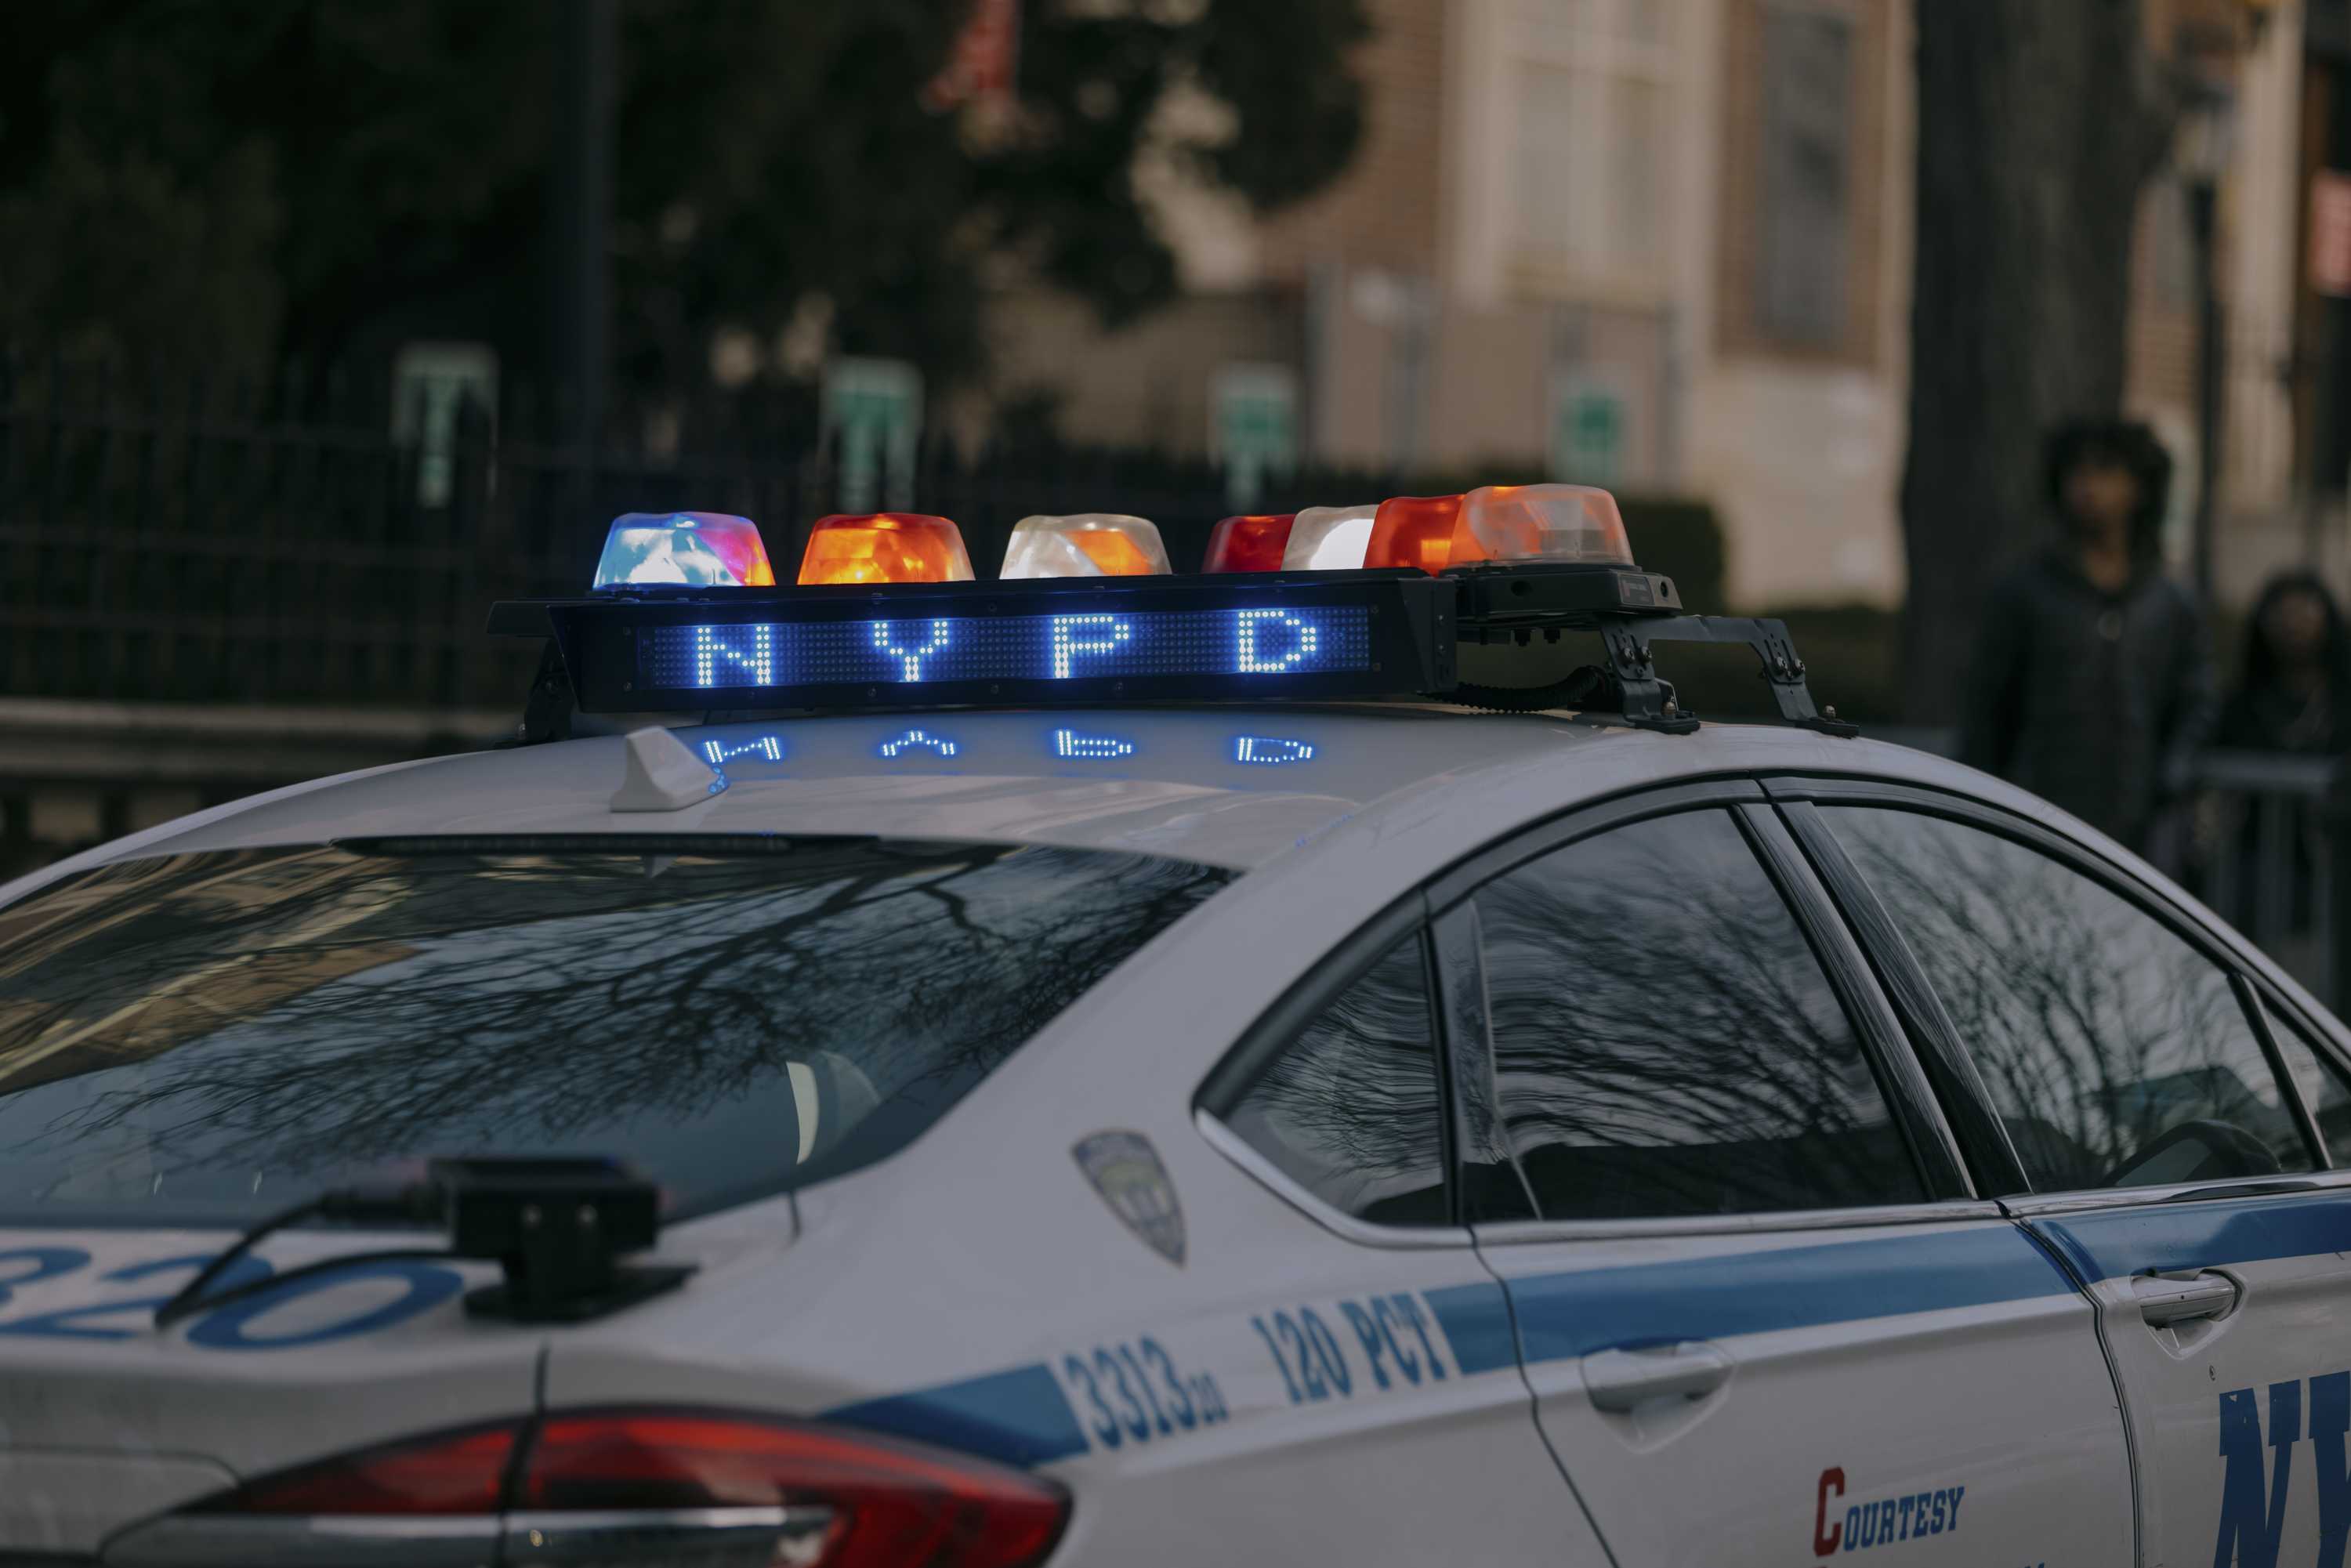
(2092, 683)
(2297, 695)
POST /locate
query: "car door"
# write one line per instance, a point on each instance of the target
(1378, 1433)
(2161, 1121)
(1762, 1311)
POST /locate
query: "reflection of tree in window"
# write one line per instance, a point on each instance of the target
(736, 1023)
(1351, 1108)
(2095, 1029)
(1665, 1041)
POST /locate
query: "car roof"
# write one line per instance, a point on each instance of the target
(1233, 785)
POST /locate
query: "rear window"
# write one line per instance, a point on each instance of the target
(210, 1038)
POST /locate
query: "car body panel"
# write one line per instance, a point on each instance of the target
(66, 1501)
(976, 1288)
(1178, 787)
(2219, 1407)
(1873, 1365)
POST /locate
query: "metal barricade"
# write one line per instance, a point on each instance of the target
(2267, 866)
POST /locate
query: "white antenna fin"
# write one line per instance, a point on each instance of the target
(662, 775)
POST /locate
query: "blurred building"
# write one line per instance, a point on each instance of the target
(1665, 246)
(2284, 283)
(1659, 245)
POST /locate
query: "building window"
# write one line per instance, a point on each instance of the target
(1807, 175)
(1588, 81)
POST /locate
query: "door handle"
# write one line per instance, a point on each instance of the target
(2175, 1298)
(1620, 1379)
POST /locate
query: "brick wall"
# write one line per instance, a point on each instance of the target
(1385, 210)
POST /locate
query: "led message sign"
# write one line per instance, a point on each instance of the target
(905, 652)
(928, 644)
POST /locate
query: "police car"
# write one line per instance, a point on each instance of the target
(1064, 1068)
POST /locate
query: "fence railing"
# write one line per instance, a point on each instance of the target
(202, 538)
(2268, 863)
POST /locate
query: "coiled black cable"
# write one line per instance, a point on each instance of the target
(408, 1205)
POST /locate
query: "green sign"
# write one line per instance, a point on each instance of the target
(1587, 429)
(429, 382)
(874, 408)
(1253, 428)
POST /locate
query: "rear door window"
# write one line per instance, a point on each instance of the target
(2116, 1053)
(208, 1038)
(1666, 1042)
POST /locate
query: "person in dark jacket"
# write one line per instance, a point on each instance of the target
(2297, 695)
(2092, 683)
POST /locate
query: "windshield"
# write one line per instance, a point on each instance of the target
(210, 1038)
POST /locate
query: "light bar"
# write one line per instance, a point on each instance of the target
(1088, 613)
(884, 547)
(1085, 544)
(689, 550)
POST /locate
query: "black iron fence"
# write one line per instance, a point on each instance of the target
(2269, 865)
(206, 537)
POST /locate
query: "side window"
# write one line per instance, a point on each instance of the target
(1665, 1041)
(1351, 1108)
(2116, 1053)
(2322, 1085)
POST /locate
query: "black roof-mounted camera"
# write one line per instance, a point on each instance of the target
(560, 1228)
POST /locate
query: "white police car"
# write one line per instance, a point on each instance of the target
(1335, 1132)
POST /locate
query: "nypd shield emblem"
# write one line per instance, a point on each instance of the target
(1125, 1169)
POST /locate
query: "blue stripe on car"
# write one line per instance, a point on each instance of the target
(1019, 1416)
(1477, 1324)
(1564, 1315)
(2115, 1242)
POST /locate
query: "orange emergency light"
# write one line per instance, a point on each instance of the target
(884, 547)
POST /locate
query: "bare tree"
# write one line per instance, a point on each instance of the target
(2037, 125)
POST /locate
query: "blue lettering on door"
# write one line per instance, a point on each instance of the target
(1132, 1392)
(2252, 1524)
(2330, 1418)
(1392, 1332)
(1886, 1521)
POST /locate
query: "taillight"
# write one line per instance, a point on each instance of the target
(629, 1489)
(452, 1472)
(894, 1503)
